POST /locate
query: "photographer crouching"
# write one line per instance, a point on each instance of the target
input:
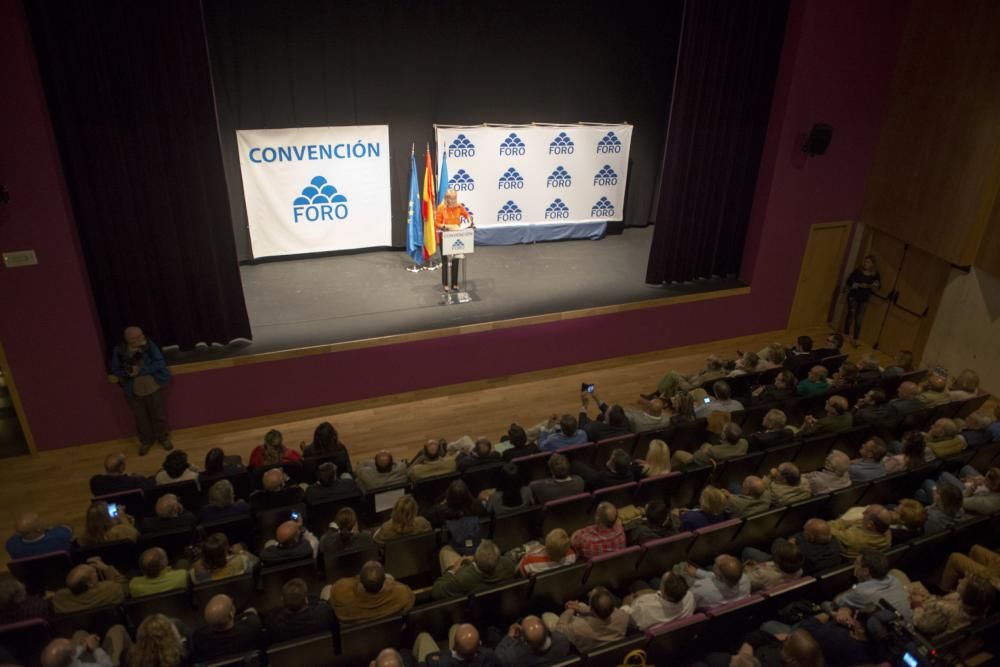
(139, 367)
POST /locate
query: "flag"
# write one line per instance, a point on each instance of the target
(414, 221)
(428, 208)
(443, 178)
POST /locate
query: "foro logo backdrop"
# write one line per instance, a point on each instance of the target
(585, 165)
(316, 189)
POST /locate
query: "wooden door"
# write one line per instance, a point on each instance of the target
(819, 276)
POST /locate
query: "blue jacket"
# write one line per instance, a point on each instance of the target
(153, 364)
(556, 440)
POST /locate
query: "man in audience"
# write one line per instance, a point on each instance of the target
(722, 401)
(655, 523)
(95, 584)
(298, 615)
(611, 421)
(170, 515)
(800, 356)
(906, 402)
(433, 460)
(292, 542)
(869, 370)
(837, 418)
(946, 511)
(556, 552)
(16, 605)
(560, 484)
(652, 418)
(753, 499)
(587, 626)
(982, 492)
(32, 538)
(976, 429)
(517, 443)
(329, 487)
(726, 582)
(674, 600)
(381, 472)
(815, 384)
(157, 575)
(390, 657)
(869, 466)
(785, 565)
(820, 550)
(873, 409)
(486, 569)
(786, 485)
(531, 643)
(783, 389)
(604, 536)
(834, 343)
(776, 431)
(871, 569)
(834, 475)
(139, 367)
(617, 470)
(935, 392)
(871, 532)
(943, 439)
(275, 494)
(225, 633)
(115, 479)
(86, 649)
(732, 445)
(568, 433)
(479, 456)
(369, 596)
(464, 649)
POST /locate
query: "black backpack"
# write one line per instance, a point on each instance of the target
(463, 534)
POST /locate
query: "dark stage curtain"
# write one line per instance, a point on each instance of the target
(726, 69)
(129, 88)
(411, 64)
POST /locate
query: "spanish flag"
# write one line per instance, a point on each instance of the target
(427, 208)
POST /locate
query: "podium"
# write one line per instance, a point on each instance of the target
(457, 244)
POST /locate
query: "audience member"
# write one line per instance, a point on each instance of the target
(464, 649)
(605, 535)
(176, 468)
(946, 511)
(935, 392)
(943, 439)
(748, 362)
(908, 521)
(115, 479)
(753, 498)
(344, 534)
(816, 382)
(326, 443)
(95, 584)
(903, 363)
(869, 466)
(458, 504)
(381, 472)
(649, 419)
(157, 575)
(273, 452)
(832, 348)
(786, 485)
(511, 493)
(834, 475)
(785, 565)
(681, 409)
(610, 422)
(329, 487)
(657, 461)
(801, 356)
(618, 469)
(776, 431)
(846, 377)
(217, 465)
(159, 643)
(433, 460)
(107, 523)
(86, 649)
(519, 445)
(981, 562)
(529, 643)
(292, 542)
(976, 429)
(914, 455)
(906, 402)
(218, 560)
(468, 575)
(556, 552)
(298, 616)
(32, 538)
(170, 515)
(568, 433)
(479, 456)
(726, 582)
(274, 493)
(721, 401)
(16, 605)
(982, 492)
(559, 484)
(654, 524)
(587, 626)
(225, 633)
(837, 418)
(784, 388)
(820, 550)
(869, 531)
(937, 614)
(711, 510)
(731, 446)
(220, 504)
(673, 601)
(871, 569)
(371, 595)
(402, 522)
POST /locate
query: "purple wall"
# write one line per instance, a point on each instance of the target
(836, 65)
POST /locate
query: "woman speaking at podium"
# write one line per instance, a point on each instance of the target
(450, 215)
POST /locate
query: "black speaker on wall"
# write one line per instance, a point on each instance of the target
(818, 140)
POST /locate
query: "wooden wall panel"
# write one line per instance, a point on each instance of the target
(935, 175)
(989, 251)
(819, 275)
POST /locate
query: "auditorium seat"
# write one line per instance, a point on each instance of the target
(120, 554)
(850, 440)
(686, 493)
(241, 589)
(660, 555)
(660, 486)
(347, 563)
(249, 659)
(803, 588)
(752, 418)
(358, 642)
(237, 531)
(174, 542)
(896, 553)
(686, 438)
(172, 604)
(985, 457)
(42, 573)
(412, 555)
(188, 492)
(798, 513)
(775, 456)
(266, 522)
(273, 577)
(643, 438)
(134, 501)
(927, 555)
(608, 445)
(552, 589)
(500, 606)
(618, 495)
(584, 453)
(482, 478)
(430, 491)
(813, 453)
(834, 582)
(534, 466)
(735, 470)
(518, 527)
(95, 621)
(311, 465)
(314, 651)
(670, 643)
(612, 654)
(568, 513)
(758, 530)
(25, 640)
(295, 471)
(434, 618)
(730, 619)
(614, 571)
(844, 499)
(970, 405)
(832, 364)
(322, 514)
(242, 484)
(890, 385)
(713, 540)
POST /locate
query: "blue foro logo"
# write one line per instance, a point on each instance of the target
(509, 212)
(562, 145)
(319, 201)
(609, 143)
(461, 147)
(557, 210)
(510, 180)
(603, 209)
(462, 181)
(559, 178)
(512, 145)
(606, 176)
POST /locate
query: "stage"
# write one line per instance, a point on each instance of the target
(316, 301)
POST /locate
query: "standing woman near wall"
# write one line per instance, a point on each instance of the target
(860, 285)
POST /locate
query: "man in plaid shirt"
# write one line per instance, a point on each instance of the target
(605, 536)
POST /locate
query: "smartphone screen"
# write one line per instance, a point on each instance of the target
(707, 399)
(296, 516)
(590, 388)
(113, 510)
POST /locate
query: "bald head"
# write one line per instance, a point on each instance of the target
(220, 613)
(790, 474)
(114, 464)
(388, 657)
(466, 640)
(58, 653)
(754, 486)
(838, 462)
(817, 531)
(134, 337)
(908, 389)
(877, 518)
(287, 534)
(801, 650)
(535, 632)
(655, 408)
(168, 506)
(153, 562)
(937, 383)
(383, 461)
(606, 515)
(28, 525)
(729, 569)
(81, 579)
(273, 479)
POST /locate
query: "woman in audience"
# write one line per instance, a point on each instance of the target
(326, 442)
(403, 521)
(511, 493)
(965, 386)
(913, 456)
(902, 364)
(711, 510)
(936, 614)
(682, 409)
(458, 503)
(771, 357)
(657, 461)
(16, 605)
(102, 527)
(158, 643)
(748, 363)
(221, 504)
(176, 469)
(343, 534)
(908, 521)
(272, 452)
(845, 377)
(219, 561)
(218, 464)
